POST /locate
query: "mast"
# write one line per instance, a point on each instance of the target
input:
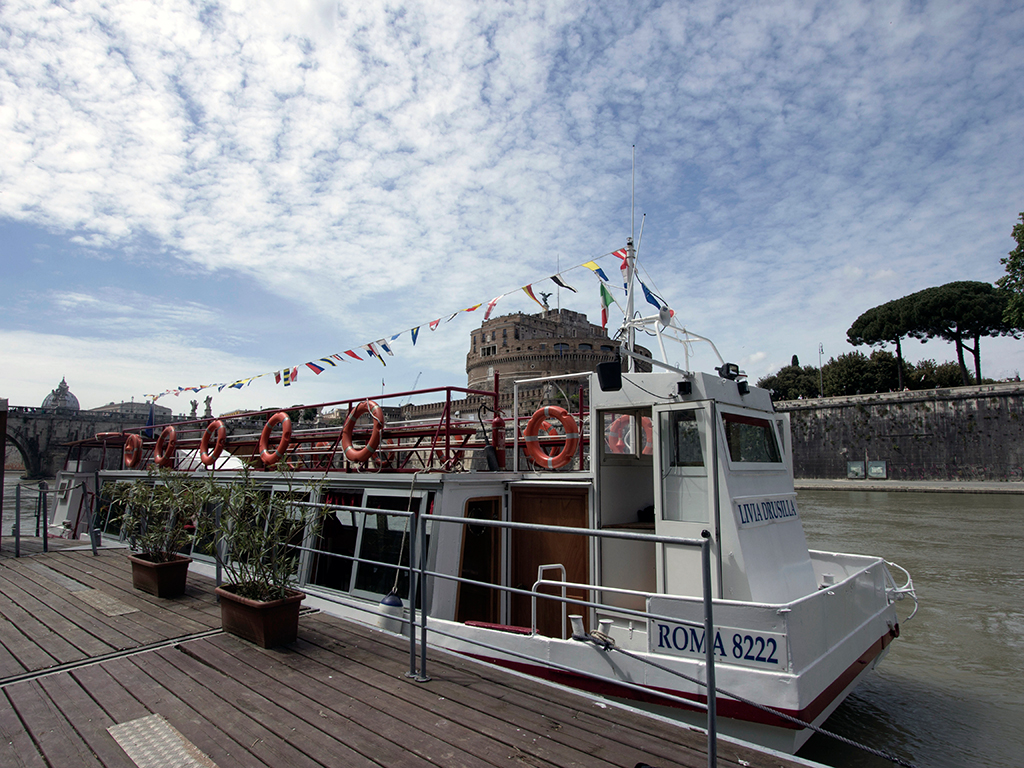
(630, 330)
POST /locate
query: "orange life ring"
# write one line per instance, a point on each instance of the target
(214, 427)
(163, 454)
(648, 436)
(617, 432)
(132, 451)
(267, 456)
(572, 437)
(362, 454)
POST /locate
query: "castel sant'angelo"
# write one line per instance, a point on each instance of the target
(554, 342)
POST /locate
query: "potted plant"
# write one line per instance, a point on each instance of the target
(258, 531)
(158, 520)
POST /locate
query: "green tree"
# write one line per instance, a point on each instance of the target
(927, 374)
(792, 382)
(960, 312)
(881, 325)
(1013, 281)
(847, 374)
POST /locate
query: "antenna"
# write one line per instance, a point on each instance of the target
(632, 198)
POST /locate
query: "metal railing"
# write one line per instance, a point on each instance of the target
(42, 513)
(420, 578)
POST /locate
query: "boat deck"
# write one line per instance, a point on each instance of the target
(83, 655)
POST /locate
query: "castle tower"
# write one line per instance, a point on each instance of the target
(522, 346)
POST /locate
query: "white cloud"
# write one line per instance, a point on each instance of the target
(374, 167)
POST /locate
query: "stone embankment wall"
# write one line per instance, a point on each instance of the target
(962, 433)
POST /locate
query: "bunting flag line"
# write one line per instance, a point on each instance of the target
(528, 289)
(623, 266)
(606, 300)
(592, 266)
(490, 307)
(372, 351)
(557, 280)
(651, 297)
(289, 376)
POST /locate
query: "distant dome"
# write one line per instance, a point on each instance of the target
(61, 397)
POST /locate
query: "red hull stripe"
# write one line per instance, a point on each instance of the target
(730, 708)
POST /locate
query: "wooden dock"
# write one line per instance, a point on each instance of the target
(94, 673)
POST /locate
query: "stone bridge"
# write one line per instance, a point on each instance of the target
(41, 435)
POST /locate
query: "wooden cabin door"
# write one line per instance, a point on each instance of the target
(531, 549)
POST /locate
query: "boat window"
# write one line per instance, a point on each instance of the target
(751, 440)
(684, 475)
(626, 434)
(685, 440)
(385, 540)
(338, 536)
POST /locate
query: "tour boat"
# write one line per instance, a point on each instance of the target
(564, 543)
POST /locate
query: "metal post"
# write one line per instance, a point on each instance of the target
(46, 517)
(423, 677)
(3, 451)
(17, 520)
(94, 509)
(412, 597)
(218, 545)
(709, 648)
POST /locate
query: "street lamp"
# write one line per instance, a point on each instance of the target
(821, 386)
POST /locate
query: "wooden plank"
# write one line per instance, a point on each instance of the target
(48, 728)
(425, 705)
(63, 601)
(325, 699)
(219, 745)
(56, 648)
(87, 718)
(109, 693)
(16, 747)
(267, 703)
(17, 653)
(159, 619)
(112, 568)
(202, 693)
(23, 591)
(557, 713)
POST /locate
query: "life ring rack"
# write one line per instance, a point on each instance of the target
(535, 453)
(268, 457)
(215, 427)
(359, 455)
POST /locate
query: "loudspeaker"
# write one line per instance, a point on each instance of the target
(609, 376)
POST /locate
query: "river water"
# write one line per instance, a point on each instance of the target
(951, 690)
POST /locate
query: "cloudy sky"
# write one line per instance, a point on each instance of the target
(198, 193)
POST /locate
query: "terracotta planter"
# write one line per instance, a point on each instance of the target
(160, 579)
(267, 624)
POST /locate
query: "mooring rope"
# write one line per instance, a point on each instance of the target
(609, 645)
